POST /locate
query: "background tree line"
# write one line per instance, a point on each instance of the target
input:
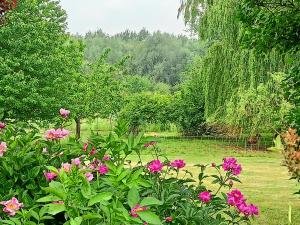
(234, 77)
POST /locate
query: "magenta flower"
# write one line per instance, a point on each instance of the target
(137, 208)
(106, 158)
(56, 134)
(76, 161)
(64, 113)
(50, 176)
(11, 206)
(2, 125)
(93, 151)
(89, 176)
(155, 166)
(253, 209)
(230, 164)
(179, 163)
(205, 196)
(248, 210)
(85, 146)
(103, 169)
(3, 148)
(235, 197)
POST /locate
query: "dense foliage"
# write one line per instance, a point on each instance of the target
(37, 60)
(72, 183)
(231, 69)
(160, 56)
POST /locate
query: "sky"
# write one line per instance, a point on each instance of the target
(114, 16)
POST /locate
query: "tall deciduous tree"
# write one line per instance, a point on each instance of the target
(37, 59)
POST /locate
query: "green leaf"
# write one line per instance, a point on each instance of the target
(34, 215)
(91, 216)
(133, 197)
(49, 198)
(150, 201)
(54, 209)
(76, 221)
(7, 222)
(57, 189)
(101, 197)
(34, 172)
(149, 217)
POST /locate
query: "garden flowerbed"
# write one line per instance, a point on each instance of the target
(56, 179)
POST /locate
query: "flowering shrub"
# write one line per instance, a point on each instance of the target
(66, 182)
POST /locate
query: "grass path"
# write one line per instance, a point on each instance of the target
(265, 182)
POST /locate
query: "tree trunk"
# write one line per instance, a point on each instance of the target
(77, 120)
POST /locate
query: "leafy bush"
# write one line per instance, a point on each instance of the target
(95, 183)
(146, 108)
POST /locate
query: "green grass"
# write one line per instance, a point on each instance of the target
(264, 181)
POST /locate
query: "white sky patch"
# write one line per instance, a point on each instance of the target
(114, 16)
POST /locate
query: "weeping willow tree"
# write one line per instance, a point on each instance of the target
(230, 70)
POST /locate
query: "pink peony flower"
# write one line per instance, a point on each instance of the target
(11, 206)
(230, 164)
(137, 208)
(169, 219)
(253, 209)
(50, 176)
(89, 176)
(151, 143)
(205, 196)
(64, 113)
(235, 198)
(3, 148)
(155, 166)
(247, 210)
(2, 125)
(103, 169)
(56, 134)
(179, 163)
(85, 146)
(106, 158)
(66, 167)
(76, 161)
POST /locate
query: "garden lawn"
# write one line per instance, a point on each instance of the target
(265, 182)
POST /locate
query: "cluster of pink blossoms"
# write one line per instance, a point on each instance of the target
(156, 166)
(56, 134)
(3, 148)
(11, 206)
(236, 198)
(230, 164)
